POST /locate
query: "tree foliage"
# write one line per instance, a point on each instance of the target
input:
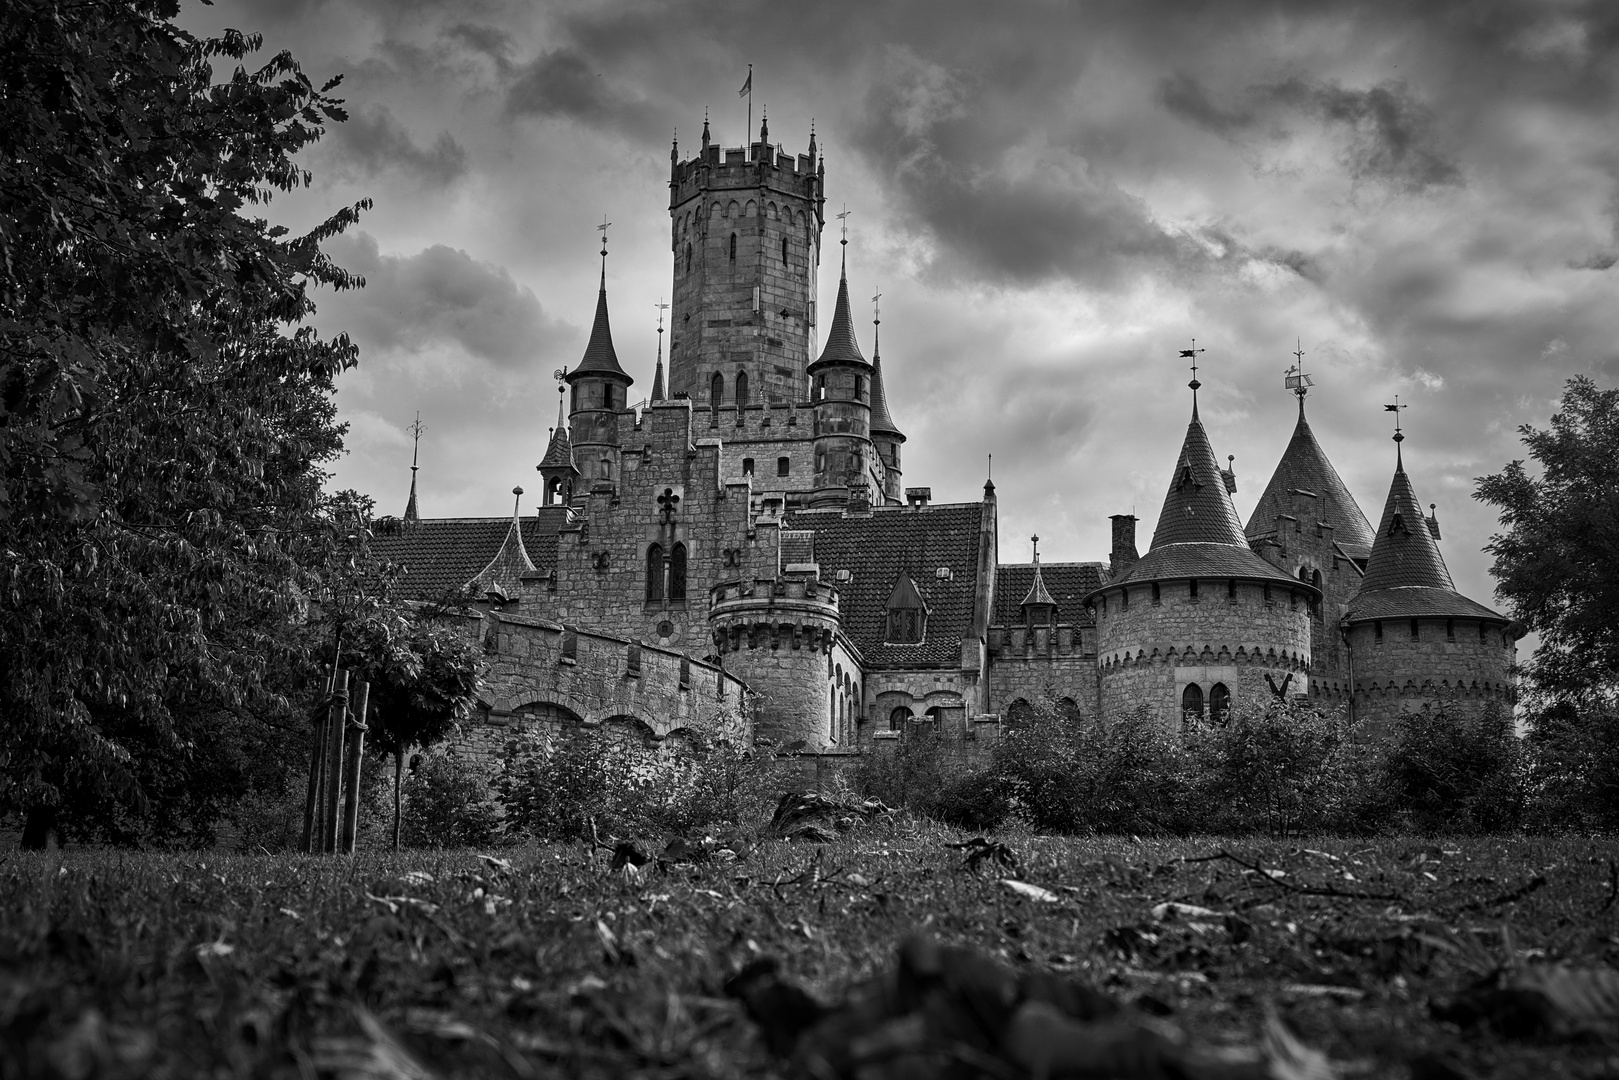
(162, 412)
(1557, 562)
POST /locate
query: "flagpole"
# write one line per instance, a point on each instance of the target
(747, 132)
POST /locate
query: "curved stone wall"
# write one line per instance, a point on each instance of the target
(777, 635)
(1449, 660)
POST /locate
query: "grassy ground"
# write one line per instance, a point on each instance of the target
(115, 964)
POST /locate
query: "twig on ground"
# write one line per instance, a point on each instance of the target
(1304, 890)
(1536, 882)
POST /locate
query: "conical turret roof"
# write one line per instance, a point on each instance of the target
(1038, 593)
(1406, 575)
(503, 572)
(1304, 467)
(600, 357)
(881, 422)
(559, 451)
(1199, 533)
(841, 347)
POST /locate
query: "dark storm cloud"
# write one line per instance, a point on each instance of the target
(567, 84)
(437, 296)
(375, 142)
(1392, 134)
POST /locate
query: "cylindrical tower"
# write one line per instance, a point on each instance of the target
(599, 395)
(840, 387)
(746, 237)
(776, 635)
(1414, 641)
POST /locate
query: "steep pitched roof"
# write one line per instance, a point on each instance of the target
(1406, 575)
(878, 549)
(1304, 466)
(411, 514)
(442, 554)
(559, 451)
(841, 347)
(1199, 533)
(1038, 593)
(882, 423)
(600, 357)
(1066, 584)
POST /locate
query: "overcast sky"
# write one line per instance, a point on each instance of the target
(1054, 198)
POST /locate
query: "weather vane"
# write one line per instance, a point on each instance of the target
(1191, 354)
(559, 374)
(843, 217)
(1297, 381)
(1395, 409)
(662, 307)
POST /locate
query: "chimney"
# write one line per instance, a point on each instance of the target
(918, 496)
(1123, 555)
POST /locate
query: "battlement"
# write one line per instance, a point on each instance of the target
(757, 165)
(789, 591)
(1023, 642)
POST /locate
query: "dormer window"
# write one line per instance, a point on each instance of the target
(1397, 526)
(907, 613)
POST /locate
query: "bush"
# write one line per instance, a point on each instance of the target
(447, 805)
(1571, 766)
(1457, 769)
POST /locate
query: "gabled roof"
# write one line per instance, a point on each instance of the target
(841, 347)
(878, 549)
(1066, 583)
(1304, 466)
(1406, 575)
(443, 554)
(1199, 533)
(600, 358)
(881, 422)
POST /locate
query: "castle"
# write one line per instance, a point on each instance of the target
(743, 535)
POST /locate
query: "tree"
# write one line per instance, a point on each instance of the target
(162, 413)
(1557, 562)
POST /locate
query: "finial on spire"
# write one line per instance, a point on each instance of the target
(602, 228)
(1035, 540)
(844, 218)
(415, 430)
(1296, 380)
(562, 393)
(1191, 354)
(517, 502)
(876, 324)
(657, 374)
(1399, 436)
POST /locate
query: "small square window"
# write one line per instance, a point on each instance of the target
(747, 466)
(783, 466)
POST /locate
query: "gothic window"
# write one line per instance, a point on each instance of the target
(716, 390)
(733, 249)
(783, 466)
(1124, 599)
(654, 572)
(1192, 702)
(741, 388)
(570, 644)
(1397, 526)
(1483, 632)
(1018, 714)
(907, 614)
(1450, 629)
(1219, 703)
(677, 572)
(820, 387)
(607, 468)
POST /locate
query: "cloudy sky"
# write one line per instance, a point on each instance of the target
(1054, 198)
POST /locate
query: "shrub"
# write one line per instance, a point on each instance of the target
(933, 776)
(447, 805)
(1457, 769)
(1571, 766)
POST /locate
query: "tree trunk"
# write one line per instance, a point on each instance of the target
(38, 827)
(399, 791)
(331, 821)
(353, 754)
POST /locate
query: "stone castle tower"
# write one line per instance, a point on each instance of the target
(746, 236)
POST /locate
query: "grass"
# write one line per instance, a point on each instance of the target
(138, 964)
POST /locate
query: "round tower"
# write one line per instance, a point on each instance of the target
(776, 635)
(840, 388)
(1413, 640)
(600, 394)
(1199, 621)
(885, 434)
(745, 231)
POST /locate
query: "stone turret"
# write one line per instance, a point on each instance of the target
(841, 392)
(745, 232)
(777, 633)
(1413, 640)
(600, 389)
(1199, 619)
(886, 436)
(557, 469)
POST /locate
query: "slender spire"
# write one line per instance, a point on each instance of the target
(1405, 552)
(843, 270)
(600, 356)
(657, 373)
(840, 340)
(1305, 467)
(415, 430)
(1038, 594)
(882, 423)
(559, 450)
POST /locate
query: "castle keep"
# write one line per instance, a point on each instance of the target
(742, 537)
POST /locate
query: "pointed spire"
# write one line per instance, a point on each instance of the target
(812, 141)
(706, 139)
(559, 450)
(764, 127)
(882, 423)
(1038, 594)
(674, 146)
(600, 357)
(841, 346)
(657, 372)
(1305, 467)
(416, 430)
(1405, 552)
(504, 572)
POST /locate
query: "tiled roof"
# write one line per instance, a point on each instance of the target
(1067, 584)
(882, 423)
(1304, 466)
(893, 541)
(1038, 593)
(1202, 561)
(441, 554)
(1406, 570)
(600, 358)
(505, 571)
(559, 451)
(841, 347)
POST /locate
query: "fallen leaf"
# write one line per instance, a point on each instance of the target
(1031, 892)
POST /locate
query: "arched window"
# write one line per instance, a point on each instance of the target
(677, 572)
(1018, 714)
(741, 388)
(654, 572)
(716, 390)
(1192, 702)
(733, 248)
(1219, 703)
(897, 718)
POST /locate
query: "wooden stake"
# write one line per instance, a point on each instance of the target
(334, 762)
(316, 757)
(351, 780)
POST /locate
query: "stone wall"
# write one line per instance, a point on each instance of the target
(1448, 661)
(1306, 551)
(780, 635)
(1041, 663)
(1148, 652)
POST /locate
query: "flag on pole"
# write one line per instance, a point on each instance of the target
(747, 87)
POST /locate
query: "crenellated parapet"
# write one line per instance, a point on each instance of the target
(788, 612)
(779, 634)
